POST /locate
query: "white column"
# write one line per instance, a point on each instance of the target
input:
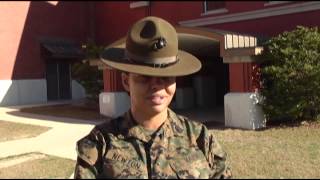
(242, 111)
(113, 104)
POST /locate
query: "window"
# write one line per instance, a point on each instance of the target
(214, 5)
(137, 4)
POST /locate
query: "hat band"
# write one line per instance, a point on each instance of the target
(143, 60)
(154, 65)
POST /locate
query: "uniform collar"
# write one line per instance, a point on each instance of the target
(171, 127)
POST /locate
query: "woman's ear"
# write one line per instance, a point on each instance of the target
(125, 81)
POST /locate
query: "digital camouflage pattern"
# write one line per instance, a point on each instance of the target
(179, 149)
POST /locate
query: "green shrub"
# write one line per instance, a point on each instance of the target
(291, 75)
(90, 77)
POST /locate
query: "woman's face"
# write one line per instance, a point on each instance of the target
(149, 94)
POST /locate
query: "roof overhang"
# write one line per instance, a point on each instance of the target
(54, 49)
(232, 47)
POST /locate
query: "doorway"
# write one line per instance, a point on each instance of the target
(58, 80)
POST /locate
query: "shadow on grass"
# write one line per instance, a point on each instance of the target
(270, 125)
(291, 124)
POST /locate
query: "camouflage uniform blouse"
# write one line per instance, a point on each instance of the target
(178, 149)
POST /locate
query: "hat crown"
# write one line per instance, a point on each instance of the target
(152, 40)
(150, 48)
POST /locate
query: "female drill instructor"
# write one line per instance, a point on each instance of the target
(150, 140)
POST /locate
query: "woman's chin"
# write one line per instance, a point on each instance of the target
(158, 108)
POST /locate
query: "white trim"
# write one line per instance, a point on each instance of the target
(139, 4)
(239, 41)
(271, 3)
(31, 91)
(269, 12)
(24, 91)
(217, 11)
(54, 3)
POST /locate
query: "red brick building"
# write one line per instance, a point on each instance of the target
(39, 40)
(224, 35)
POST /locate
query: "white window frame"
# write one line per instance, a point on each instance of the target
(216, 11)
(138, 4)
(271, 3)
(290, 8)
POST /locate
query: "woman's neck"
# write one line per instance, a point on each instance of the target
(149, 120)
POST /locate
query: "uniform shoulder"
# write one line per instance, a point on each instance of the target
(191, 125)
(192, 122)
(109, 127)
(88, 147)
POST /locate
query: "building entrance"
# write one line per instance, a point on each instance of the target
(58, 80)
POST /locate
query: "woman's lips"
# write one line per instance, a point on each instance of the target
(156, 99)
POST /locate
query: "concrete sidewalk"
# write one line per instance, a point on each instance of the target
(58, 141)
(61, 139)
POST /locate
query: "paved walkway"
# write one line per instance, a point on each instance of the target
(60, 140)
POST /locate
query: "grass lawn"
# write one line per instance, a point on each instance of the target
(44, 167)
(67, 110)
(12, 131)
(277, 152)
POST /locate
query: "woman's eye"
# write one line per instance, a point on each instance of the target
(145, 79)
(168, 79)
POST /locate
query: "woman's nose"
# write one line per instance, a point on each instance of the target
(156, 82)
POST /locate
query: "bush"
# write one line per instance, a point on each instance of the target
(291, 75)
(90, 77)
